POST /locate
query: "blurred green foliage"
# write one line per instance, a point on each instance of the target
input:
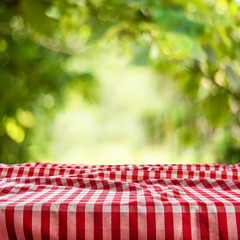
(194, 44)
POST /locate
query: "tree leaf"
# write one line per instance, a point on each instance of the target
(176, 21)
(216, 109)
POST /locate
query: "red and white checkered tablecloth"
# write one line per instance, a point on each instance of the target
(60, 201)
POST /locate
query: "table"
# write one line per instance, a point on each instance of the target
(163, 201)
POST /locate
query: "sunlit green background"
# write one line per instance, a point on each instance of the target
(116, 81)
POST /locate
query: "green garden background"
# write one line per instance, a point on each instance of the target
(116, 81)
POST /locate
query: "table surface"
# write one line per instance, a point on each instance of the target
(67, 201)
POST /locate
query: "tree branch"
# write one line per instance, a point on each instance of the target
(226, 90)
(43, 41)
